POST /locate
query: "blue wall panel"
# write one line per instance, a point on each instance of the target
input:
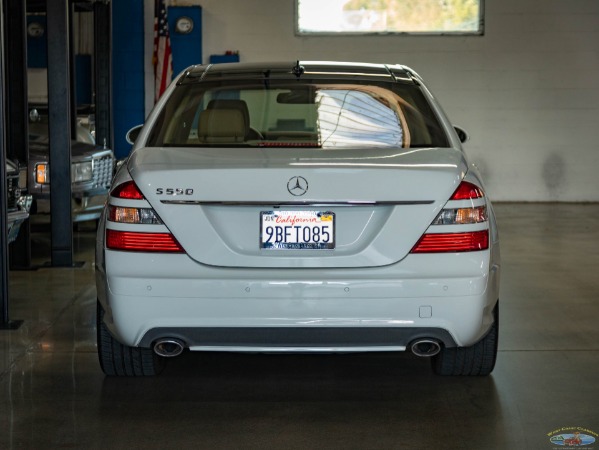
(127, 70)
(187, 48)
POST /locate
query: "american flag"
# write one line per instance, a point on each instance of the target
(163, 59)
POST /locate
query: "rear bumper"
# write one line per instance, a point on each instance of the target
(449, 297)
(298, 339)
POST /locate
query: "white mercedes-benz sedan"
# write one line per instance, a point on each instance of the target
(297, 207)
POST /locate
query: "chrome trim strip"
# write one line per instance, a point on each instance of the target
(295, 203)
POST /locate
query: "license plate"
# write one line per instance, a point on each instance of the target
(297, 230)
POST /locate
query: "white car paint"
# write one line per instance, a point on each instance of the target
(224, 292)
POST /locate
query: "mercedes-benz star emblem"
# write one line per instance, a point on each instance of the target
(297, 186)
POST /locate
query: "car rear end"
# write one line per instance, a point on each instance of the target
(342, 217)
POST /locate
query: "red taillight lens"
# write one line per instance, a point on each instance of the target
(467, 191)
(142, 242)
(128, 190)
(452, 242)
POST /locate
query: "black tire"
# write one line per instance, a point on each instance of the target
(477, 360)
(120, 360)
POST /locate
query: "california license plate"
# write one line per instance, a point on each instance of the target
(297, 230)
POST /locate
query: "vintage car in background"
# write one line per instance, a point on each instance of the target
(18, 203)
(92, 169)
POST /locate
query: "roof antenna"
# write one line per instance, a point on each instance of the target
(298, 70)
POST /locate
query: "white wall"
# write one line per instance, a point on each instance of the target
(527, 91)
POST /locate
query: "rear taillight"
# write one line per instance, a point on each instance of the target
(123, 214)
(128, 190)
(458, 212)
(452, 242)
(142, 242)
(462, 216)
(137, 241)
(467, 191)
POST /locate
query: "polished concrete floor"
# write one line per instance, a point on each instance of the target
(53, 394)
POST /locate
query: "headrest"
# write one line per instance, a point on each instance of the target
(224, 125)
(240, 105)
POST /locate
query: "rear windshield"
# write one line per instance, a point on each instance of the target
(297, 114)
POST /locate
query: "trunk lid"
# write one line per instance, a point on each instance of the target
(382, 200)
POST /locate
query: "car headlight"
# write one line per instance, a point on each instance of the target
(81, 172)
(42, 173)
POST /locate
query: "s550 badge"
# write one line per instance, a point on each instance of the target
(174, 191)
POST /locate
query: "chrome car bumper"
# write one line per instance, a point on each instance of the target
(16, 218)
(86, 205)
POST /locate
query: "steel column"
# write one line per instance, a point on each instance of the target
(5, 323)
(17, 134)
(103, 72)
(59, 114)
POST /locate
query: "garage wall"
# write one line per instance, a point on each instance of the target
(527, 91)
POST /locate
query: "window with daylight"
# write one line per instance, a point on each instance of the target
(389, 16)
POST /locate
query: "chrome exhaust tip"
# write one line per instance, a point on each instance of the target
(425, 348)
(168, 347)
